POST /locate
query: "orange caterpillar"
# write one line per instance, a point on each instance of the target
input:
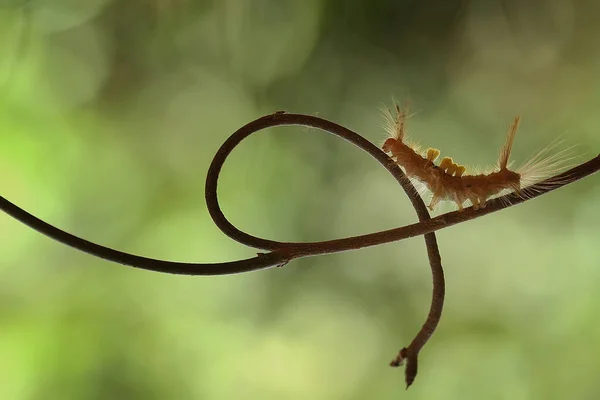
(448, 181)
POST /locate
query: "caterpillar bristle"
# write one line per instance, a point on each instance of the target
(395, 120)
(391, 124)
(545, 164)
(421, 189)
(506, 149)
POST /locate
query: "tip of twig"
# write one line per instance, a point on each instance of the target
(411, 365)
(409, 381)
(399, 360)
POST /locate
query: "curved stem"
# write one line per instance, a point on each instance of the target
(306, 249)
(278, 119)
(281, 118)
(295, 250)
(283, 252)
(262, 261)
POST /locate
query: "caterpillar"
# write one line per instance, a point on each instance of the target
(449, 181)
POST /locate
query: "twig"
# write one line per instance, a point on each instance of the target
(410, 353)
(262, 261)
(300, 249)
(283, 252)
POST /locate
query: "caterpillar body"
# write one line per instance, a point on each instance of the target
(448, 181)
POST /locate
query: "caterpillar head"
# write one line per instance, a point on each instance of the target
(389, 144)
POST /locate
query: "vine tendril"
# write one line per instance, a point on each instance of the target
(281, 253)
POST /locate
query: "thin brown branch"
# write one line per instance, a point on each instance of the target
(573, 175)
(408, 354)
(303, 249)
(262, 261)
(306, 249)
(283, 252)
(278, 119)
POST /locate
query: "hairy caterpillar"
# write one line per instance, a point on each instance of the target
(449, 181)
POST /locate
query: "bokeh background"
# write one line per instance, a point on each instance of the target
(110, 112)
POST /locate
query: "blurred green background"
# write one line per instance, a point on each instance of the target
(110, 112)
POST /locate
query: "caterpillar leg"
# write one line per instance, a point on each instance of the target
(459, 203)
(475, 201)
(434, 201)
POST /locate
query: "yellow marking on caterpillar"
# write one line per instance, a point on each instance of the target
(432, 154)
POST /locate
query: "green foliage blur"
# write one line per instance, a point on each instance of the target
(110, 112)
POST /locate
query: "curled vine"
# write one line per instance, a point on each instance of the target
(281, 253)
